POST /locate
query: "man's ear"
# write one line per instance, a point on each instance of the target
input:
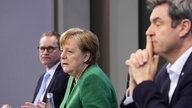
(185, 27)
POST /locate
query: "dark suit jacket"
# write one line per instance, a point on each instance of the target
(148, 94)
(57, 86)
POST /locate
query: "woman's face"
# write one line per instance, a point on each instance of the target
(72, 58)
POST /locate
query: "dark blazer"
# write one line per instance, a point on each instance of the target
(57, 86)
(148, 94)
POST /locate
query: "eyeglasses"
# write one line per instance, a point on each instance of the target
(49, 49)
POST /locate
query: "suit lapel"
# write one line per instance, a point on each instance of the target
(49, 86)
(186, 71)
(70, 82)
(38, 87)
(51, 82)
(185, 74)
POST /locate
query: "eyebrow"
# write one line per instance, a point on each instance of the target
(156, 19)
(49, 46)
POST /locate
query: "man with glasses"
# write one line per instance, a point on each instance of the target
(49, 55)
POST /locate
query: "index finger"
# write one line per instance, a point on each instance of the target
(149, 46)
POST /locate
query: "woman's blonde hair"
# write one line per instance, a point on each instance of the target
(86, 40)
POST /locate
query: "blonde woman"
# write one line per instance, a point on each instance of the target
(88, 86)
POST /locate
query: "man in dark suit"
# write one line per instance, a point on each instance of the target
(168, 36)
(57, 86)
(49, 55)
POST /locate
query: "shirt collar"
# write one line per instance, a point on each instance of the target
(52, 70)
(177, 66)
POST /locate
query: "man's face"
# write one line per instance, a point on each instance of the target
(164, 37)
(49, 53)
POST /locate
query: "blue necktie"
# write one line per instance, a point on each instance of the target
(42, 89)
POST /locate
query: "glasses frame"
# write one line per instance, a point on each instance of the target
(49, 49)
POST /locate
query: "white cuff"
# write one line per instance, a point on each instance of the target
(129, 99)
